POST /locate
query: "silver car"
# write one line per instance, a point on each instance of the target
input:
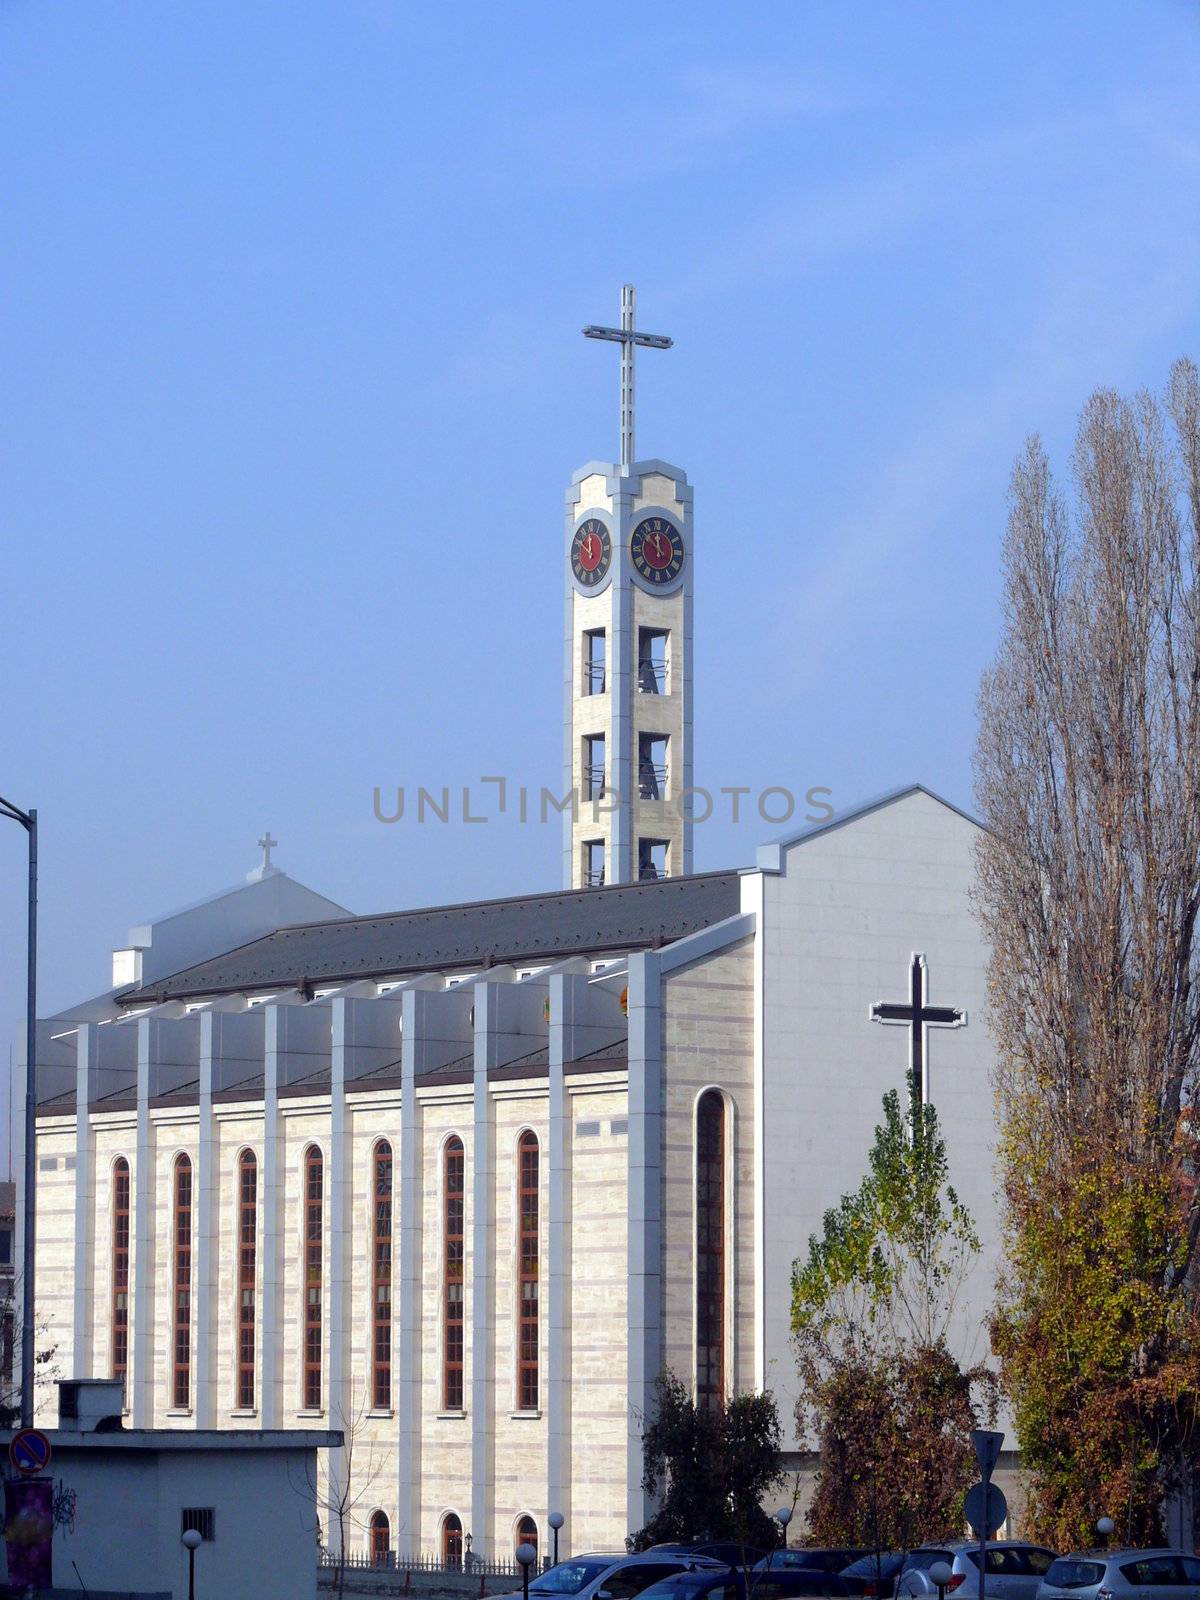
(1015, 1570)
(611, 1575)
(1123, 1575)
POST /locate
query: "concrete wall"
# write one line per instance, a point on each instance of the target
(127, 1520)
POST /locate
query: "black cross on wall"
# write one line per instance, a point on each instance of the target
(918, 1017)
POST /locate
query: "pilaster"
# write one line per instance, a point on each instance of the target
(645, 1214)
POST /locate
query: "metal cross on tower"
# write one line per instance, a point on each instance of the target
(266, 844)
(628, 338)
(918, 1017)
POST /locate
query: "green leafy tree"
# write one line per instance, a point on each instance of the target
(889, 1406)
(710, 1469)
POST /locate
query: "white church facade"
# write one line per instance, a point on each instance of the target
(468, 1179)
(464, 1181)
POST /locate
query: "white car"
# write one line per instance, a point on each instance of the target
(1014, 1570)
(611, 1576)
(1123, 1575)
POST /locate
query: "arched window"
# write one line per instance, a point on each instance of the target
(120, 1251)
(452, 1538)
(710, 1251)
(381, 1289)
(527, 1272)
(314, 1242)
(381, 1539)
(454, 1173)
(526, 1533)
(247, 1256)
(181, 1388)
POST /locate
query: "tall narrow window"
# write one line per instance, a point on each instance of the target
(120, 1250)
(314, 1240)
(247, 1255)
(710, 1251)
(593, 661)
(181, 1387)
(452, 1538)
(381, 1289)
(381, 1539)
(527, 1273)
(452, 1315)
(527, 1533)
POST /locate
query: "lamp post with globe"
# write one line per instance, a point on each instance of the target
(939, 1576)
(556, 1521)
(526, 1555)
(783, 1516)
(1105, 1527)
(191, 1543)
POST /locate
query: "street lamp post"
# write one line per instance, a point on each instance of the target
(526, 1555)
(556, 1521)
(28, 820)
(1105, 1527)
(783, 1516)
(939, 1576)
(191, 1543)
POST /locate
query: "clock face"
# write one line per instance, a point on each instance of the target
(657, 550)
(591, 553)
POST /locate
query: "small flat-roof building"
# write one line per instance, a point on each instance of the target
(135, 1491)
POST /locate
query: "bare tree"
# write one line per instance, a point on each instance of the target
(1088, 777)
(341, 1493)
(46, 1370)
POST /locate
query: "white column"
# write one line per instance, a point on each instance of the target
(483, 1279)
(563, 995)
(83, 1352)
(645, 1215)
(141, 1366)
(270, 1375)
(204, 1240)
(339, 1250)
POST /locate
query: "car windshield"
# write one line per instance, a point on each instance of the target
(884, 1565)
(687, 1585)
(569, 1577)
(1067, 1573)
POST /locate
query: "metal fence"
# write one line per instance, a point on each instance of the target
(471, 1566)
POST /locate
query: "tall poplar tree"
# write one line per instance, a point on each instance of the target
(1088, 778)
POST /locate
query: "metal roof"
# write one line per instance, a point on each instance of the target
(482, 933)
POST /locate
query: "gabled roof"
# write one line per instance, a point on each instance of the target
(770, 855)
(527, 928)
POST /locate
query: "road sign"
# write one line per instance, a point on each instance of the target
(986, 1508)
(29, 1451)
(987, 1451)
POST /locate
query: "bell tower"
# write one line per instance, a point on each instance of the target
(627, 655)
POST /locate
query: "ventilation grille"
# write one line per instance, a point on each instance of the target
(202, 1518)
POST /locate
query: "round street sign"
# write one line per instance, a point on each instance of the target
(29, 1451)
(986, 1508)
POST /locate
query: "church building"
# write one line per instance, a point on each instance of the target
(463, 1181)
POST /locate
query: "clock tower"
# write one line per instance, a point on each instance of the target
(627, 655)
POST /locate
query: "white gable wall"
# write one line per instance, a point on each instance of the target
(839, 924)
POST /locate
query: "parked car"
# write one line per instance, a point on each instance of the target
(1123, 1575)
(612, 1575)
(811, 1560)
(1014, 1570)
(800, 1583)
(874, 1576)
(727, 1550)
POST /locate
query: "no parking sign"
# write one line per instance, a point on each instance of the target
(29, 1451)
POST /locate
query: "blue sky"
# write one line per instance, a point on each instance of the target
(290, 312)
